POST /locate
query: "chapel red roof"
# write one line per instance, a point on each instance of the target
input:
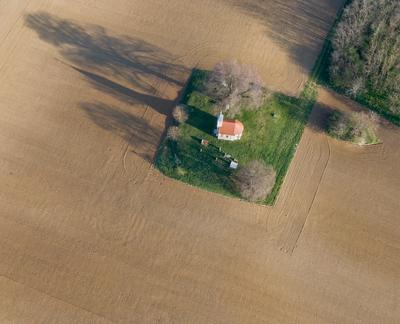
(231, 127)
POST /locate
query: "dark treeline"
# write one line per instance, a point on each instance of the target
(365, 60)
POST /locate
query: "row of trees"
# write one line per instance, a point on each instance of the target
(365, 61)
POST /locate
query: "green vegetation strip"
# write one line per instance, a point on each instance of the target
(271, 134)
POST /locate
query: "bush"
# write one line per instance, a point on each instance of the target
(180, 113)
(255, 181)
(173, 133)
(359, 128)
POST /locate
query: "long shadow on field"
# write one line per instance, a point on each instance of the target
(125, 58)
(126, 68)
(142, 137)
(300, 26)
(126, 94)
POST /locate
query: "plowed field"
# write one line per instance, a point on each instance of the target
(90, 232)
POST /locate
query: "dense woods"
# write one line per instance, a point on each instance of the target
(365, 59)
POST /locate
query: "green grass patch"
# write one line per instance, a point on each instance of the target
(271, 135)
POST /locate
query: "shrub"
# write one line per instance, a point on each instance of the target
(255, 180)
(180, 113)
(173, 133)
(356, 127)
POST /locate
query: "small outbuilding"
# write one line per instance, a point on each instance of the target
(229, 130)
(233, 165)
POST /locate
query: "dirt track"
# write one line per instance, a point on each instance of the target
(91, 233)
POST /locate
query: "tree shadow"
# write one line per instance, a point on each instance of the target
(125, 94)
(198, 118)
(295, 110)
(202, 120)
(126, 68)
(319, 118)
(300, 26)
(141, 136)
(128, 59)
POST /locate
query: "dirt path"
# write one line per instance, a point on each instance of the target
(91, 233)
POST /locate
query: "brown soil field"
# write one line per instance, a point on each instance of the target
(90, 232)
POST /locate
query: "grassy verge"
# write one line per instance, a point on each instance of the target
(271, 135)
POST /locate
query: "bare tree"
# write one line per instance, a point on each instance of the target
(255, 181)
(173, 133)
(233, 85)
(338, 125)
(180, 113)
(356, 127)
(365, 127)
(356, 87)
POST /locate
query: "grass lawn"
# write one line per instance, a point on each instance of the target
(271, 135)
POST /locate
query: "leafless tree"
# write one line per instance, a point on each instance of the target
(173, 133)
(255, 181)
(233, 85)
(180, 113)
(338, 125)
(366, 124)
(356, 87)
(357, 127)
